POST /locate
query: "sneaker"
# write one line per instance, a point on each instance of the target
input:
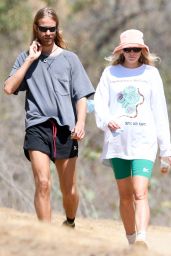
(141, 244)
(67, 224)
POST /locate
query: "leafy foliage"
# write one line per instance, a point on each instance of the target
(14, 15)
(79, 5)
(50, 2)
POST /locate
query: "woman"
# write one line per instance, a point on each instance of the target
(135, 121)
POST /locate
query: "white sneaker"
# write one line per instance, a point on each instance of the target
(141, 244)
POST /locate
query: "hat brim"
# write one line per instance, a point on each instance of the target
(129, 45)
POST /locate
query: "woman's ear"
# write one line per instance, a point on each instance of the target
(122, 58)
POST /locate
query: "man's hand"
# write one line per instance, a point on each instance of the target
(35, 50)
(78, 132)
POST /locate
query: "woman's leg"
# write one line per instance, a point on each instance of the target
(127, 211)
(142, 211)
(122, 171)
(141, 174)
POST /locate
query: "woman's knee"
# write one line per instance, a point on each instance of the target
(140, 195)
(126, 199)
(140, 187)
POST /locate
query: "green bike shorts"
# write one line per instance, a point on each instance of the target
(138, 167)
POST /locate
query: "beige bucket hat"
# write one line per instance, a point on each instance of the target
(131, 38)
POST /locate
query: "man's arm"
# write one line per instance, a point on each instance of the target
(14, 81)
(81, 107)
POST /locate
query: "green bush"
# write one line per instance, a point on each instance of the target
(14, 15)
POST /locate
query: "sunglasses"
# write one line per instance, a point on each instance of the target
(134, 49)
(45, 29)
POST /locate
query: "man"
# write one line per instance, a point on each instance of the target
(56, 88)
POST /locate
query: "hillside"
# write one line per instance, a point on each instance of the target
(91, 29)
(22, 235)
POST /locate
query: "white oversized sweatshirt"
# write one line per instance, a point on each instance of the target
(135, 99)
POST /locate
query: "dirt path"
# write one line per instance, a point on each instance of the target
(22, 235)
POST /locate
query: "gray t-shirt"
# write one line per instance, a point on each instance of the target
(53, 85)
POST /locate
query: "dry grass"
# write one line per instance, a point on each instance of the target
(21, 234)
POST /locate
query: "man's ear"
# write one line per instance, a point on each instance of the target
(35, 27)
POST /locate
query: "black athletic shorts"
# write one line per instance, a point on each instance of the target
(51, 139)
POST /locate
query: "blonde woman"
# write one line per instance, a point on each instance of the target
(135, 122)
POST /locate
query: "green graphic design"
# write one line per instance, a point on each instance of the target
(130, 98)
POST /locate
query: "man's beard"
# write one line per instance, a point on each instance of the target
(46, 41)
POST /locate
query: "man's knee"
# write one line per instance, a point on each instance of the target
(43, 187)
(70, 192)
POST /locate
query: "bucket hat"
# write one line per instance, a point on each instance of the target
(131, 38)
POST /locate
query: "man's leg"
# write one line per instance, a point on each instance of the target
(41, 170)
(67, 177)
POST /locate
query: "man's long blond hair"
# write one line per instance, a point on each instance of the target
(48, 12)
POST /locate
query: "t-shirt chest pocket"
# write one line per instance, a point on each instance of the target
(61, 84)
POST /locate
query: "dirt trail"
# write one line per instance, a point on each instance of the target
(22, 235)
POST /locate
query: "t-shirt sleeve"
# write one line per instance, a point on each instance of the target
(18, 63)
(101, 102)
(81, 85)
(159, 108)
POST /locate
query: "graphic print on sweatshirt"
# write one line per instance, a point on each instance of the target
(130, 98)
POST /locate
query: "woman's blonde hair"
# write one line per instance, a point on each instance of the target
(145, 58)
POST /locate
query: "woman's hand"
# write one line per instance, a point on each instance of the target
(113, 126)
(165, 164)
